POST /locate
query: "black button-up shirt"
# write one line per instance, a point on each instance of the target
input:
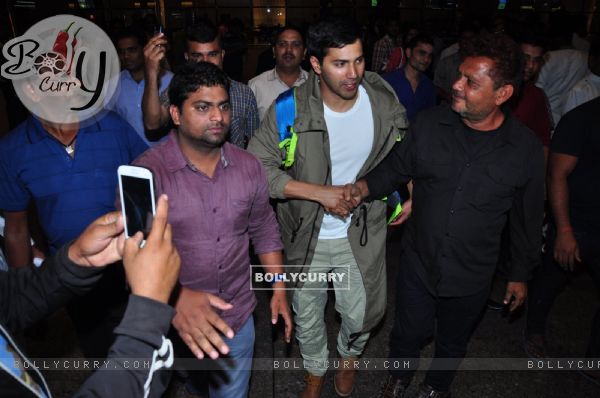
(462, 198)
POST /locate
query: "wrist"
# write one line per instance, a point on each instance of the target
(564, 229)
(152, 73)
(152, 295)
(278, 288)
(363, 188)
(278, 280)
(75, 256)
(319, 193)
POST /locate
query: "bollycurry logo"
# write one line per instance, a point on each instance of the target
(64, 68)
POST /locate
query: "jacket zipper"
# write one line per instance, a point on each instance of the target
(312, 232)
(295, 231)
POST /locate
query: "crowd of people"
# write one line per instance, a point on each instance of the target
(482, 140)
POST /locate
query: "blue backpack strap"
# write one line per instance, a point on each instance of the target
(285, 110)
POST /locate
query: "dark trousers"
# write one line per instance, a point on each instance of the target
(416, 313)
(550, 279)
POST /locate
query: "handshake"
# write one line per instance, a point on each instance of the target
(341, 200)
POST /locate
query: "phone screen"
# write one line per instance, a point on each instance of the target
(137, 198)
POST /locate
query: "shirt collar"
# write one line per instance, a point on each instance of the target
(36, 132)
(272, 75)
(505, 130)
(176, 160)
(126, 75)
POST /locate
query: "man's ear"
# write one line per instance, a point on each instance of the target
(316, 65)
(504, 93)
(186, 56)
(174, 111)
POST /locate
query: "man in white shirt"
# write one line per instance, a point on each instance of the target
(563, 68)
(289, 51)
(587, 88)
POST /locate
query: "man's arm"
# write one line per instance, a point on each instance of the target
(154, 114)
(272, 263)
(139, 337)
(252, 117)
(525, 223)
(265, 146)
(17, 239)
(151, 273)
(395, 170)
(29, 294)
(328, 196)
(266, 240)
(566, 250)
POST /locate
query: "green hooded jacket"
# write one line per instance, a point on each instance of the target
(300, 220)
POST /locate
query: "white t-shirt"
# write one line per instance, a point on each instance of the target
(350, 143)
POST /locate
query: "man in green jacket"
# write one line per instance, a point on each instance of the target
(346, 121)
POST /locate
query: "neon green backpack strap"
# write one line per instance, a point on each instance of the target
(285, 110)
(395, 202)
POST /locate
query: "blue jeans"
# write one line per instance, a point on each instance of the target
(230, 376)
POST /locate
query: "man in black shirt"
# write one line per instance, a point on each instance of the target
(574, 231)
(472, 165)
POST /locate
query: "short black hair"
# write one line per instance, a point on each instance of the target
(503, 51)
(332, 32)
(133, 33)
(193, 75)
(288, 27)
(535, 40)
(421, 38)
(203, 32)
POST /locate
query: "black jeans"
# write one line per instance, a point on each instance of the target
(415, 317)
(550, 279)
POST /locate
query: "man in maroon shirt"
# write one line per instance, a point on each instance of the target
(219, 201)
(531, 106)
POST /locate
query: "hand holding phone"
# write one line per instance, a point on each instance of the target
(138, 204)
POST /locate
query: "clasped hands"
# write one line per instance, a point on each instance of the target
(340, 199)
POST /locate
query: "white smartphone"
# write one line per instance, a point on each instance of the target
(136, 187)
